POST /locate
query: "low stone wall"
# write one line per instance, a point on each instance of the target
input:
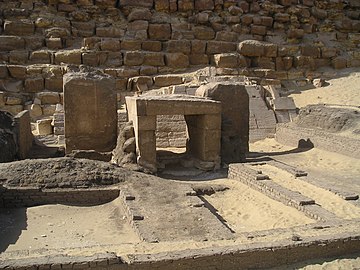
(27, 197)
(228, 257)
(290, 134)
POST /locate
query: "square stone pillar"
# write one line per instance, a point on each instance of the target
(90, 112)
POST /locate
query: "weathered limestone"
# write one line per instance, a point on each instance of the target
(43, 127)
(23, 132)
(90, 112)
(235, 118)
(203, 121)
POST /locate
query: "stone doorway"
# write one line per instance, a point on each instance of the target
(203, 120)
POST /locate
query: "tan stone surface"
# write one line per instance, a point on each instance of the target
(90, 112)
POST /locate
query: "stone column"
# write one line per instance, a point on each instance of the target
(90, 112)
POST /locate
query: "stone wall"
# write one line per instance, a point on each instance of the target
(284, 39)
(27, 196)
(295, 136)
(171, 131)
(229, 257)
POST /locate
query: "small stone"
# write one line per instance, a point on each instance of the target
(319, 82)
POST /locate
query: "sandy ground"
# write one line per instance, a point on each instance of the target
(343, 90)
(247, 210)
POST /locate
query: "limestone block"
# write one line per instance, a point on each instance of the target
(310, 50)
(33, 85)
(204, 5)
(151, 45)
(142, 3)
(139, 14)
(20, 27)
(48, 97)
(69, 57)
(3, 72)
(18, 57)
(154, 59)
(235, 10)
(319, 13)
(160, 31)
(54, 83)
(13, 109)
(203, 32)
(258, 30)
(57, 32)
(162, 5)
(220, 47)
(185, 5)
(131, 45)
(43, 127)
(247, 19)
(167, 80)
(227, 60)
(284, 103)
(135, 82)
(198, 46)
(17, 71)
(114, 59)
(199, 59)
(48, 109)
(339, 62)
(53, 43)
(127, 72)
(2, 99)
(105, 3)
(176, 60)
(133, 58)
(251, 48)
(138, 25)
(226, 36)
(295, 33)
(109, 44)
(328, 52)
(40, 57)
(282, 17)
(11, 100)
(109, 32)
(145, 122)
(181, 46)
(35, 111)
(94, 58)
(90, 112)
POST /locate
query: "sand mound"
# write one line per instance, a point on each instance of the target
(329, 118)
(63, 173)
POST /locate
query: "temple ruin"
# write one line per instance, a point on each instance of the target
(179, 134)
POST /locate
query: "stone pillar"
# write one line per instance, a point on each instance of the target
(204, 136)
(23, 132)
(90, 112)
(235, 118)
(144, 127)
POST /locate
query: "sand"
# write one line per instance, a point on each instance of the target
(344, 90)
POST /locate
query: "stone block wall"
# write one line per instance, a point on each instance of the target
(27, 197)
(142, 42)
(171, 131)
